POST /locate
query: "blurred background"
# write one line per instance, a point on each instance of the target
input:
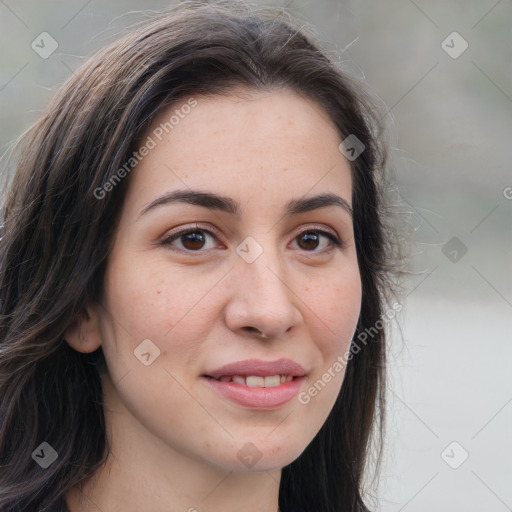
(443, 71)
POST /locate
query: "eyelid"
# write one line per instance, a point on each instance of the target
(191, 227)
(187, 229)
(324, 230)
(318, 227)
(336, 240)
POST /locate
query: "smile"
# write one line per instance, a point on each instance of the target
(256, 381)
(261, 392)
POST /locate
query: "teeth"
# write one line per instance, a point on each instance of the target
(238, 379)
(254, 381)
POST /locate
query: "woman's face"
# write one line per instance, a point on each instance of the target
(179, 306)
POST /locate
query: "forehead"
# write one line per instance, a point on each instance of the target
(276, 144)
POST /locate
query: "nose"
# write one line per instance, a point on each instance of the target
(264, 299)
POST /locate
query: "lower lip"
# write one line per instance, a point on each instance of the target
(257, 397)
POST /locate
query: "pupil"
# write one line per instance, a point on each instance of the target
(193, 240)
(309, 237)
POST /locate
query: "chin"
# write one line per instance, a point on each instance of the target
(260, 454)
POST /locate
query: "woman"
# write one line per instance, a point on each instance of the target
(193, 273)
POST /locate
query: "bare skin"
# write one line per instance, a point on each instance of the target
(175, 440)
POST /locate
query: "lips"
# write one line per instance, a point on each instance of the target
(258, 368)
(255, 381)
(258, 384)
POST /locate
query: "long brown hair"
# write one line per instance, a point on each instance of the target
(56, 236)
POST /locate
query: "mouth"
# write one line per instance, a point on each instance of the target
(255, 391)
(257, 384)
(256, 381)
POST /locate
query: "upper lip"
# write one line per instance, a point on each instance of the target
(259, 368)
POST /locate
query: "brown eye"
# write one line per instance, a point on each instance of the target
(195, 240)
(310, 240)
(191, 240)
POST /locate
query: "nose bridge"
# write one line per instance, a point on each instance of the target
(261, 266)
(260, 281)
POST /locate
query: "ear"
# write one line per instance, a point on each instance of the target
(83, 334)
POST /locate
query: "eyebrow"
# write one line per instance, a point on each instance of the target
(225, 204)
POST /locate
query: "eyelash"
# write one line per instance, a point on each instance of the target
(167, 241)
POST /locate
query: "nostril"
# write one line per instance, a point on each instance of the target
(256, 331)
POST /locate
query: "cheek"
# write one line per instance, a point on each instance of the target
(335, 306)
(146, 301)
(148, 298)
(334, 309)
(152, 334)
